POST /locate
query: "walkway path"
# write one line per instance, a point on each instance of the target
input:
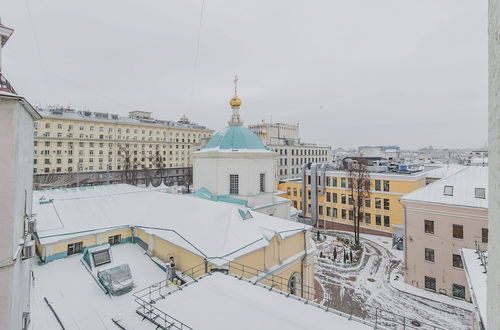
(366, 291)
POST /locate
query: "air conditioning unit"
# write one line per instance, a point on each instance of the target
(28, 250)
(30, 226)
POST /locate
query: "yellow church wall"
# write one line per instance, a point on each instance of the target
(184, 259)
(292, 245)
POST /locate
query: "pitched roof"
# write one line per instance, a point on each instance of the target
(212, 230)
(463, 182)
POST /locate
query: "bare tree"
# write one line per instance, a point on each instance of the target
(131, 164)
(359, 185)
(155, 166)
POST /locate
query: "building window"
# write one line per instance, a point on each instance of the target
(328, 211)
(458, 231)
(378, 219)
(335, 213)
(343, 214)
(448, 191)
(386, 204)
(457, 261)
(115, 239)
(233, 184)
(458, 291)
(386, 185)
(328, 197)
(262, 184)
(75, 248)
(429, 226)
(368, 203)
(342, 182)
(334, 181)
(377, 185)
(378, 203)
(480, 193)
(334, 195)
(430, 283)
(320, 210)
(368, 218)
(387, 221)
(484, 235)
(351, 215)
(342, 198)
(429, 255)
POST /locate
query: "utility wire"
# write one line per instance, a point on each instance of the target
(196, 56)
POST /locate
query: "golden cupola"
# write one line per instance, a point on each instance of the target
(235, 101)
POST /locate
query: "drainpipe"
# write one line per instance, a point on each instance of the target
(314, 194)
(303, 263)
(304, 192)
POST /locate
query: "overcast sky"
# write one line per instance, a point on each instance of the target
(351, 72)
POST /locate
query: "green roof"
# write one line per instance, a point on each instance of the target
(235, 138)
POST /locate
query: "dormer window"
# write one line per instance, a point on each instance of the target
(480, 193)
(448, 191)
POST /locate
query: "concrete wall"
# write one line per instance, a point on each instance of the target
(442, 242)
(493, 315)
(16, 163)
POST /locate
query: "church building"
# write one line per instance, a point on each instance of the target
(236, 167)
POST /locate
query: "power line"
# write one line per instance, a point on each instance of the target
(196, 56)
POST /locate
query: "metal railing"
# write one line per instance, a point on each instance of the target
(5, 85)
(147, 297)
(482, 254)
(372, 316)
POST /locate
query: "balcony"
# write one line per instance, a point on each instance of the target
(5, 85)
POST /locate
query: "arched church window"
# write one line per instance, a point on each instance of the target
(294, 284)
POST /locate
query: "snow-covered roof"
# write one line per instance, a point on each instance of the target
(476, 278)
(444, 171)
(77, 299)
(212, 230)
(113, 118)
(224, 302)
(463, 192)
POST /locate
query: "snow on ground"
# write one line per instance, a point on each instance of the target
(78, 300)
(366, 290)
(397, 282)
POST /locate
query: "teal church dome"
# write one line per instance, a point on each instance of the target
(235, 138)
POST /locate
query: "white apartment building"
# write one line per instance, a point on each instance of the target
(292, 153)
(71, 145)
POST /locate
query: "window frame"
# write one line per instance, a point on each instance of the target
(234, 184)
(453, 226)
(426, 221)
(430, 280)
(429, 255)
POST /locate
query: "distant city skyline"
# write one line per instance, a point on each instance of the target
(418, 77)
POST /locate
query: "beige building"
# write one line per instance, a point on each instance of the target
(292, 153)
(440, 219)
(68, 142)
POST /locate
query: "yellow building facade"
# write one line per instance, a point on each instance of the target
(70, 141)
(278, 264)
(383, 211)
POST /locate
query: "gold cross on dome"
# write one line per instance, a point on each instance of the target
(235, 81)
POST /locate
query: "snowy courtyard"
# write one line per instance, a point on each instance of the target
(374, 289)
